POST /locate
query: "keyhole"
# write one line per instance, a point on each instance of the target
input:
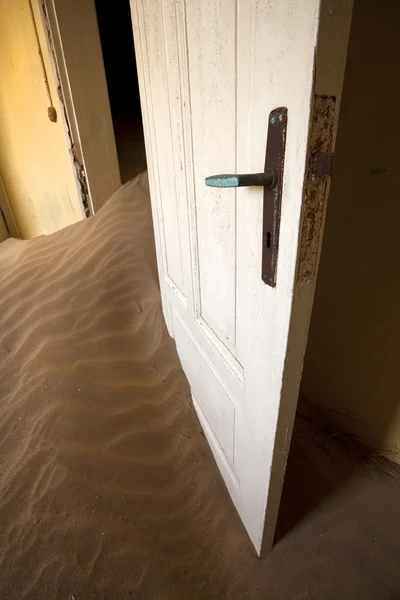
(268, 239)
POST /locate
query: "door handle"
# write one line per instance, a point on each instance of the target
(267, 179)
(271, 180)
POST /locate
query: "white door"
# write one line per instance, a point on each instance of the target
(210, 73)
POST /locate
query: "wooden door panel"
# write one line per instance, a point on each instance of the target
(211, 47)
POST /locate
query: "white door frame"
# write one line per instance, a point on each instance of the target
(75, 40)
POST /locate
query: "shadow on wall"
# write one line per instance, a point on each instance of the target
(351, 366)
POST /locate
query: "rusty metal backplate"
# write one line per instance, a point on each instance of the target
(274, 159)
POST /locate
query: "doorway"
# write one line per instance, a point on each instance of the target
(350, 367)
(348, 414)
(116, 35)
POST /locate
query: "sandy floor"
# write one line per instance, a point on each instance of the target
(107, 486)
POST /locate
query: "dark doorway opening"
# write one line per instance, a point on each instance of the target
(115, 27)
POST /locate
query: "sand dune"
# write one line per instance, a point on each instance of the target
(108, 489)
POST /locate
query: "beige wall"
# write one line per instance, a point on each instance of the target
(352, 360)
(35, 163)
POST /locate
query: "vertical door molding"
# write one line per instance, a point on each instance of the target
(77, 47)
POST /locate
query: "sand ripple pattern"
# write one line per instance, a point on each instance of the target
(107, 486)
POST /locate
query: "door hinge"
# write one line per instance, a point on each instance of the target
(322, 163)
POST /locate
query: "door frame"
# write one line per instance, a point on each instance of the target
(7, 212)
(76, 47)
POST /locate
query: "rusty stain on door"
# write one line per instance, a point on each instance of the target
(319, 167)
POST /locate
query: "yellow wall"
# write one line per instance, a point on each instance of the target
(352, 361)
(35, 165)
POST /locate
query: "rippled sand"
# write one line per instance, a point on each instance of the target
(107, 486)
